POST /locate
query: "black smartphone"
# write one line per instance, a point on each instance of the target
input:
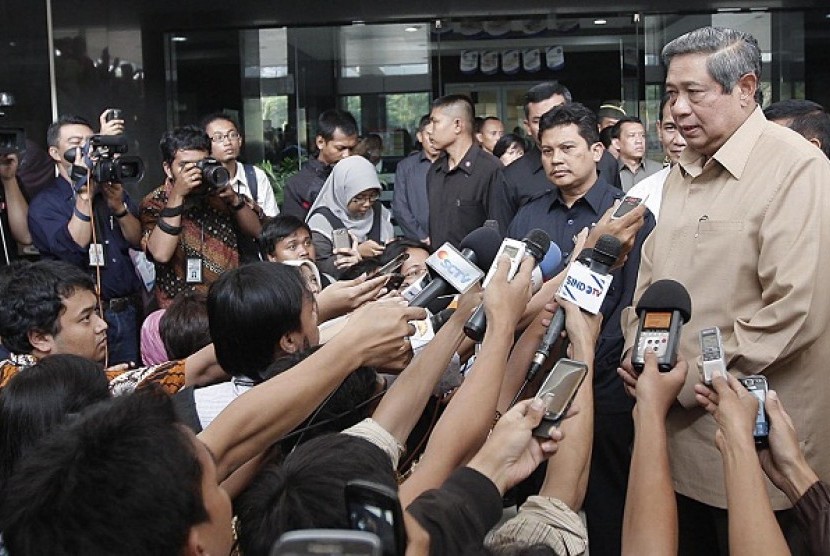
(627, 205)
(558, 392)
(375, 508)
(394, 265)
(757, 386)
(337, 542)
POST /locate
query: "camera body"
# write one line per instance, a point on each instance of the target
(12, 140)
(98, 155)
(214, 176)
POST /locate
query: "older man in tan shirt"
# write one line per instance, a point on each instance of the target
(745, 227)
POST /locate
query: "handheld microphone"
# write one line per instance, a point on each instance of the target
(663, 310)
(478, 247)
(598, 261)
(546, 269)
(537, 243)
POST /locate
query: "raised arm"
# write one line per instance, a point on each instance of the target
(259, 417)
(468, 418)
(401, 407)
(753, 528)
(650, 518)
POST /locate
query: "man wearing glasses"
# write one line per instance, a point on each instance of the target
(246, 179)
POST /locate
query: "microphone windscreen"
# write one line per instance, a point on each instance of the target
(666, 295)
(537, 242)
(551, 261)
(485, 243)
(606, 250)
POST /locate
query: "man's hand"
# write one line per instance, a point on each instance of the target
(582, 328)
(655, 391)
(188, 180)
(112, 127)
(512, 452)
(8, 167)
(505, 302)
(734, 409)
(783, 461)
(624, 229)
(347, 295)
(468, 302)
(114, 194)
(378, 334)
(370, 248)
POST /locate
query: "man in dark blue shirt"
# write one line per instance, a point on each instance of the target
(94, 233)
(570, 149)
(410, 204)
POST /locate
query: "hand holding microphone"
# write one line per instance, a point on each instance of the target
(537, 245)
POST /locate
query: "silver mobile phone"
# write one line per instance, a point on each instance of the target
(337, 542)
(757, 386)
(714, 359)
(558, 393)
(340, 238)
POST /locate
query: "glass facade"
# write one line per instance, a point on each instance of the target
(277, 79)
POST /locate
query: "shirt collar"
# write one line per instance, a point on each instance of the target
(734, 154)
(465, 164)
(593, 197)
(240, 176)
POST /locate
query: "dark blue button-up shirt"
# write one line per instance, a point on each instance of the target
(49, 216)
(410, 205)
(550, 213)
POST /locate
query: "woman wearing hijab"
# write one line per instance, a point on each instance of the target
(349, 199)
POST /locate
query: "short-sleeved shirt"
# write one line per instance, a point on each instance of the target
(209, 233)
(461, 198)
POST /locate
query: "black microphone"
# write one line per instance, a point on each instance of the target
(663, 310)
(440, 318)
(537, 244)
(479, 247)
(600, 259)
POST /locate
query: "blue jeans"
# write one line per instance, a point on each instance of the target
(122, 336)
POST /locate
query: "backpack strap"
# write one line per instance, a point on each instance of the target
(374, 232)
(332, 219)
(250, 177)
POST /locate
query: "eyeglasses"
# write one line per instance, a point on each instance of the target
(220, 137)
(370, 198)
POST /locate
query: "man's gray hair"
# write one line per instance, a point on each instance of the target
(733, 53)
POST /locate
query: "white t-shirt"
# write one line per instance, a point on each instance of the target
(265, 195)
(652, 187)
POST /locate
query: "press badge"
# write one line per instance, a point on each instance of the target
(96, 254)
(194, 270)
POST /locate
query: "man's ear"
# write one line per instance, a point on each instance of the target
(167, 170)
(320, 141)
(596, 151)
(815, 141)
(54, 154)
(748, 84)
(526, 125)
(292, 342)
(193, 547)
(41, 341)
(615, 142)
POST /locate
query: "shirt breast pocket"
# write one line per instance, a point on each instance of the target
(716, 240)
(470, 211)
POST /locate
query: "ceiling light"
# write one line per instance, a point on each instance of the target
(411, 28)
(727, 10)
(600, 21)
(178, 38)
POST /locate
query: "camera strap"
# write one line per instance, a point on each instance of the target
(193, 270)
